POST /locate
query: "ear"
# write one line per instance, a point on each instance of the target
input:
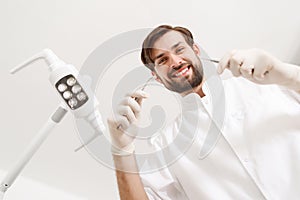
(156, 77)
(196, 49)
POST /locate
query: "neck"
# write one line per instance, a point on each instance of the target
(198, 90)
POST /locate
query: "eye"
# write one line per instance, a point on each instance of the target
(179, 50)
(162, 61)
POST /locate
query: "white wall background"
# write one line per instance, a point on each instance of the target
(72, 29)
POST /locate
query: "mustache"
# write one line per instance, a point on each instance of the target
(175, 69)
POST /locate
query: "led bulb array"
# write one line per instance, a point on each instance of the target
(71, 91)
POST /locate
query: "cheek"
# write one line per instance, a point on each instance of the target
(162, 72)
(191, 55)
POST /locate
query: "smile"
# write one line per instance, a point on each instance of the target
(183, 71)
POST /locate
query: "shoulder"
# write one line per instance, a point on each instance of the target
(242, 90)
(243, 87)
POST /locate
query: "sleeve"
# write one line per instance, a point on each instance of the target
(161, 186)
(293, 95)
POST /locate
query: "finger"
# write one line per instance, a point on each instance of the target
(246, 70)
(132, 103)
(117, 123)
(139, 95)
(139, 100)
(259, 72)
(128, 113)
(235, 63)
(122, 122)
(224, 62)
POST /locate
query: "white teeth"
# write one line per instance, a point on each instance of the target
(182, 72)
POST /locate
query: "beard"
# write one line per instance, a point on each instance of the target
(185, 84)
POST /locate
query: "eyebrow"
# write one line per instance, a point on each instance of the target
(162, 54)
(176, 45)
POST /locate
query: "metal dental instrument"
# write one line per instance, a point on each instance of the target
(119, 126)
(145, 85)
(211, 60)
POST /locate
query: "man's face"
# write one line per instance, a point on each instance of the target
(177, 64)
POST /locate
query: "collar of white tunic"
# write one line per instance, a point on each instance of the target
(193, 102)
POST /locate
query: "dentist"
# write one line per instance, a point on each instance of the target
(257, 155)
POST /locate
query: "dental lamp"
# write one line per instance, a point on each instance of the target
(77, 98)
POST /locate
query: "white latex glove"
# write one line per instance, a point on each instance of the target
(260, 67)
(122, 126)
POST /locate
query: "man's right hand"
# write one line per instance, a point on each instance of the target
(260, 67)
(123, 126)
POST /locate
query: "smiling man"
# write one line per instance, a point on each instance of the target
(184, 70)
(257, 153)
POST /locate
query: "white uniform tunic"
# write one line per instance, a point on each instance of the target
(255, 156)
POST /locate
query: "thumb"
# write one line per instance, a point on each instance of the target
(139, 95)
(224, 62)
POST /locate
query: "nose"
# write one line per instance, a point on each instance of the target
(175, 60)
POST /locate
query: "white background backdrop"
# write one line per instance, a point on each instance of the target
(72, 29)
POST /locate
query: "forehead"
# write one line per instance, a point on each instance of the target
(169, 39)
